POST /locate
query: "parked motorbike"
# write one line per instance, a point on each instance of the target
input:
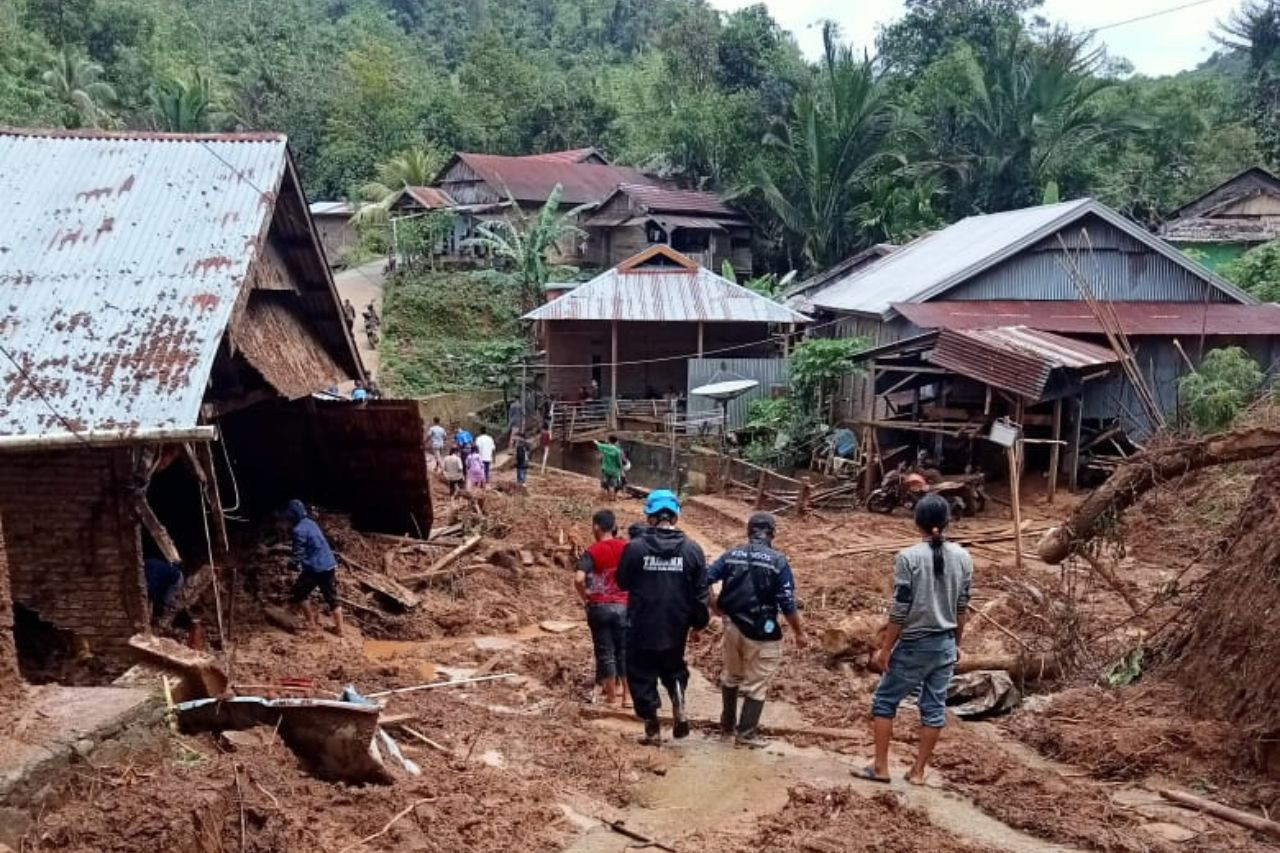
(904, 487)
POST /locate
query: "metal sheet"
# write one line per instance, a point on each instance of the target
(664, 294)
(771, 373)
(1014, 358)
(1137, 318)
(657, 199)
(121, 258)
(531, 179)
(429, 197)
(937, 262)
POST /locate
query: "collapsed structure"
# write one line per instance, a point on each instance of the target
(168, 317)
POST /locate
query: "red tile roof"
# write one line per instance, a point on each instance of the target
(533, 178)
(1137, 318)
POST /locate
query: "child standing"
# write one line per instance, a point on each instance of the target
(453, 471)
(475, 471)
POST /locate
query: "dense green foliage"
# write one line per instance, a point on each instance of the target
(1216, 394)
(1257, 271)
(962, 106)
(446, 332)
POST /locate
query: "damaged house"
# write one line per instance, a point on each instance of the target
(166, 316)
(987, 318)
(1222, 224)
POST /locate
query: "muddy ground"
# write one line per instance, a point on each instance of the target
(522, 764)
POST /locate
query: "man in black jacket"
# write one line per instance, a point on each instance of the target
(665, 575)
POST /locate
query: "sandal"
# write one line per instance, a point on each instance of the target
(869, 774)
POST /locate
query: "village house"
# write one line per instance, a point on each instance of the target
(645, 329)
(169, 317)
(1228, 220)
(621, 209)
(987, 318)
(335, 228)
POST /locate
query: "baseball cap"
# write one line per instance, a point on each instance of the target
(661, 499)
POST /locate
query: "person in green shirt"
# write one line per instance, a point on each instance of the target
(610, 466)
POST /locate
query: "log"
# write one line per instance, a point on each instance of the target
(382, 584)
(440, 566)
(1141, 472)
(202, 676)
(1218, 810)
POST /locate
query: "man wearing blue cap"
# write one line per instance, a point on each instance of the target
(665, 575)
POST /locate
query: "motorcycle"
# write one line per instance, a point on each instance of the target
(905, 487)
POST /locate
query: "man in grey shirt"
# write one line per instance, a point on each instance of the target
(931, 586)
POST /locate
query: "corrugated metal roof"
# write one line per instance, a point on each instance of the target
(668, 220)
(429, 197)
(1136, 318)
(573, 155)
(1014, 358)
(121, 258)
(932, 264)
(683, 293)
(533, 178)
(656, 199)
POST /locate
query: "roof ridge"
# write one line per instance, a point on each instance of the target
(143, 135)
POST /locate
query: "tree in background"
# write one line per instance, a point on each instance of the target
(932, 28)
(818, 366)
(1257, 271)
(526, 240)
(837, 139)
(1216, 394)
(182, 106)
(76, 83)
(412, 167)
(1254, 28)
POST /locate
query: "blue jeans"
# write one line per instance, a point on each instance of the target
(924, 663)
(521, 474)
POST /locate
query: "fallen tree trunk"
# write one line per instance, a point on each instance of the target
(1142, 472)
(1218, 810)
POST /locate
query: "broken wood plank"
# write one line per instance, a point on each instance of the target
(381, 584)
(156, 529)
(355, 605)
(202, 676)
(435, 684)
(419, 736)
(526, 557)
(440, 566)
(1218, 810)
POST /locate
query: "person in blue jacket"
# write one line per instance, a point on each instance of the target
(316, 565)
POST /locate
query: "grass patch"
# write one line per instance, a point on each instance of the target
(441, 330)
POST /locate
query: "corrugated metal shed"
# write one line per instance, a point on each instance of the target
(937, 262)
(1014, 358)
(678, 291)
(121, 260)
(531, 179)
(1137, 318)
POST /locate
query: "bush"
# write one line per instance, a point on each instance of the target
(1226, 382)
(1257, 271)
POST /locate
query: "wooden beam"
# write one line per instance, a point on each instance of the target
(1055, 449)
(155, 528)
(613, 361)
(1075, 443)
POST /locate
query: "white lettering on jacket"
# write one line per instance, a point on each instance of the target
(663, 564)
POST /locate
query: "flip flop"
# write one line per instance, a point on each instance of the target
(870, 775)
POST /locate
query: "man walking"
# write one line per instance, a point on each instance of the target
(610, 466)
(665, 576)
(485, 446)
(750, 584)
(435, 441)
(316, 565)
(596, 584)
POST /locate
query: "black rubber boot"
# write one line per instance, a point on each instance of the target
(652, 731)
(749, 724)
(729, 714)
(679, 715)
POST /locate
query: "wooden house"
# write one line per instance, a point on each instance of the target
(1228, 220)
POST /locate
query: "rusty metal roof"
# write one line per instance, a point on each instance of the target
(661, 285)
(532, 179)
(573, 155)
(121, 258)
(657, 199)
(1136, 318)
(429, 197)
(1014, 358)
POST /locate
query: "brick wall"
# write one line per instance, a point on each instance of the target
(9, 678)
(73, 545)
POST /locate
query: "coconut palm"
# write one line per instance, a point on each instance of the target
(74, 82)
(527, 239)
(836, 140)
(186, 107)
(412, 167)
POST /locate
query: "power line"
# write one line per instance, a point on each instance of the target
(1150, 15)
(35, 386)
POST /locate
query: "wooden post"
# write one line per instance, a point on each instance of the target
(1075, 442)
(760, 488)
(613, 367)
(1015, 488)
(802, 500)
(1055, 449)
(700, 348)
(869, 476)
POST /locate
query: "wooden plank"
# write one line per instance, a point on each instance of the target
(381, 584)
(1218, 810)
(440, 566)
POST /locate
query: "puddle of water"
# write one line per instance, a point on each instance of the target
(400, 650)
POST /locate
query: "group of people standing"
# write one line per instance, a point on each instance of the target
(466, 461)
(646, 596)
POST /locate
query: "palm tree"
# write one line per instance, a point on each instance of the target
(837, 139)
(1033, 111)
(526, 240)
(74, 81)
(186, 107)
(412, 167)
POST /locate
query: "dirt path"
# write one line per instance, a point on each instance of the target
(363, 285)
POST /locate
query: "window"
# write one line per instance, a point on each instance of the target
(691, 240)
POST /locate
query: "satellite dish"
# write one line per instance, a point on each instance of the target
(725, 391)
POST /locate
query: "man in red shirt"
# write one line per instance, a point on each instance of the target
(597, 586)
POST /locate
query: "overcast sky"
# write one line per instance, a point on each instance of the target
(1162, 45)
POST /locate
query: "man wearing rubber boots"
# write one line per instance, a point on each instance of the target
(665, 576)
(750, 584)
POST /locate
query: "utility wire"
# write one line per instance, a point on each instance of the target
(1156, 14)
(35, 386)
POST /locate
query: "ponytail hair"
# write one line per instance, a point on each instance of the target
(932, 516)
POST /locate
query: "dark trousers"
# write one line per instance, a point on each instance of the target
(646, 667)
(608, 624)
